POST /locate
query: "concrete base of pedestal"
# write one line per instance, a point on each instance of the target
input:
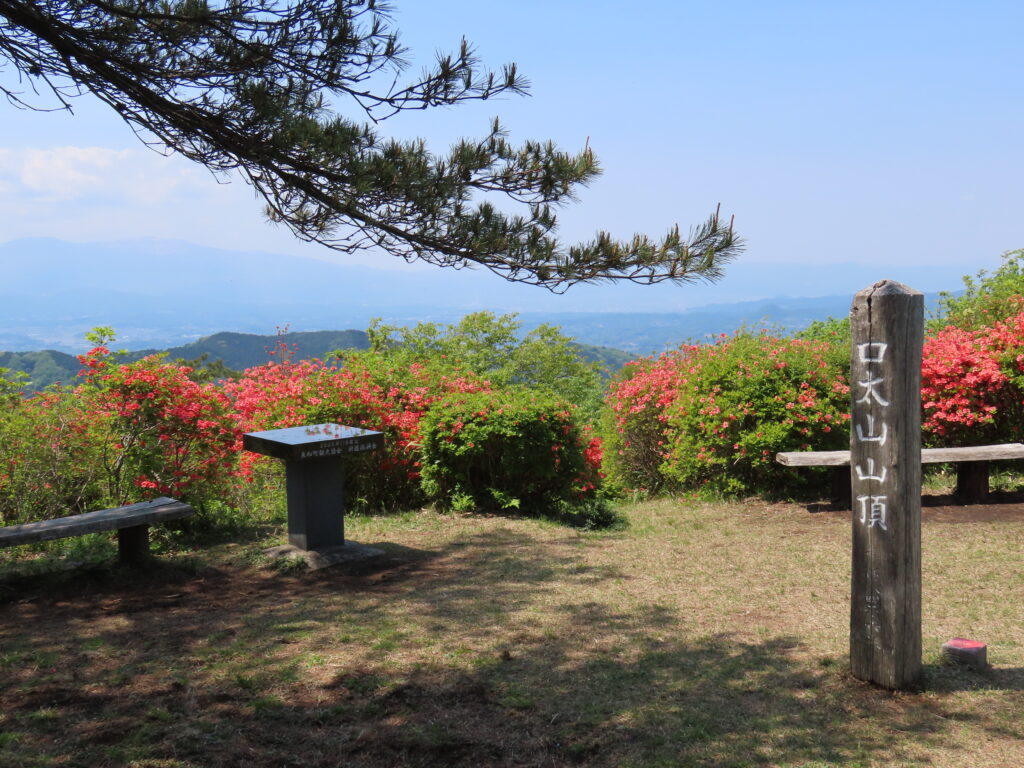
(315, 559)
(970, 653)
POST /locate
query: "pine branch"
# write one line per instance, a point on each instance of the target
(254, 86)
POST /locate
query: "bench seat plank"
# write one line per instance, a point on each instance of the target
(972, 453)
(814, 458)
(143, 513)
(971, 467)
(928, 455)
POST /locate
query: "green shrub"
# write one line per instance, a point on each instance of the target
(507, 450)
(598, 514)
(50, 461)
(747, 397)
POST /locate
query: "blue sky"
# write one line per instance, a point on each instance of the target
(887, 134)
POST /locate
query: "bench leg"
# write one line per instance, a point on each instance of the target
(842, 491)
(972, 482)
(133, 545)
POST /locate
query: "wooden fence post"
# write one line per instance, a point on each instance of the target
(887, 323)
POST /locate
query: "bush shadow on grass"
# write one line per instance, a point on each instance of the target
(467, 655)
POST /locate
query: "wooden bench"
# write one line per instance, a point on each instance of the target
(131, 523)
(971, 467)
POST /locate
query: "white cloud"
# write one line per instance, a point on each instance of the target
(84, 174)
(97, 193)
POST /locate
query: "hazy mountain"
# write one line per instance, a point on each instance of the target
(237, 351)
(644, 333)
(161, 293)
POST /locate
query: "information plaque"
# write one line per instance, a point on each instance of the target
(315, 476)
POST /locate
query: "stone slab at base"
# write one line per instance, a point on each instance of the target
(349, 552)
(970, 653)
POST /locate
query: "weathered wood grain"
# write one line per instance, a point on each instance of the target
(1004, 451)
(814, 458)
(887, 325)
(972, 465)
(1001, 452)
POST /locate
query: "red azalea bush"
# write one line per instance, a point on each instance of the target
(134, 431)
(634, 422)
(156, 432)
(709, 416)
(972, 384)
(126, 433)
(746, 398)
(368, 392)
(714, 416)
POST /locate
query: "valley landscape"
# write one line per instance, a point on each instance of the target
(189, 301)
(355, 410)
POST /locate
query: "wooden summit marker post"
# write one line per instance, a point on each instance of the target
(887, 323)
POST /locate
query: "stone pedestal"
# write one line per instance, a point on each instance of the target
(316, 506)
(315, 478)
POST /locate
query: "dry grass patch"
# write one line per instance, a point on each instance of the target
(705, 634)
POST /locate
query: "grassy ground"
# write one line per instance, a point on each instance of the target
(703, 635)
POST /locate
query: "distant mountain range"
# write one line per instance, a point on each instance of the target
(237, 351)
(159, 294)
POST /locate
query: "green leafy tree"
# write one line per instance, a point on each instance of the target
(202, 370)
(493, 347)
(987, 297)
(259, 87)
(11, 385)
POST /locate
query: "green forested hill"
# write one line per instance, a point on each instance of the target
(609, 358)
(238, 351)
(43, 368)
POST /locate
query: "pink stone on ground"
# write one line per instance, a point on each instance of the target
(970, 653)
